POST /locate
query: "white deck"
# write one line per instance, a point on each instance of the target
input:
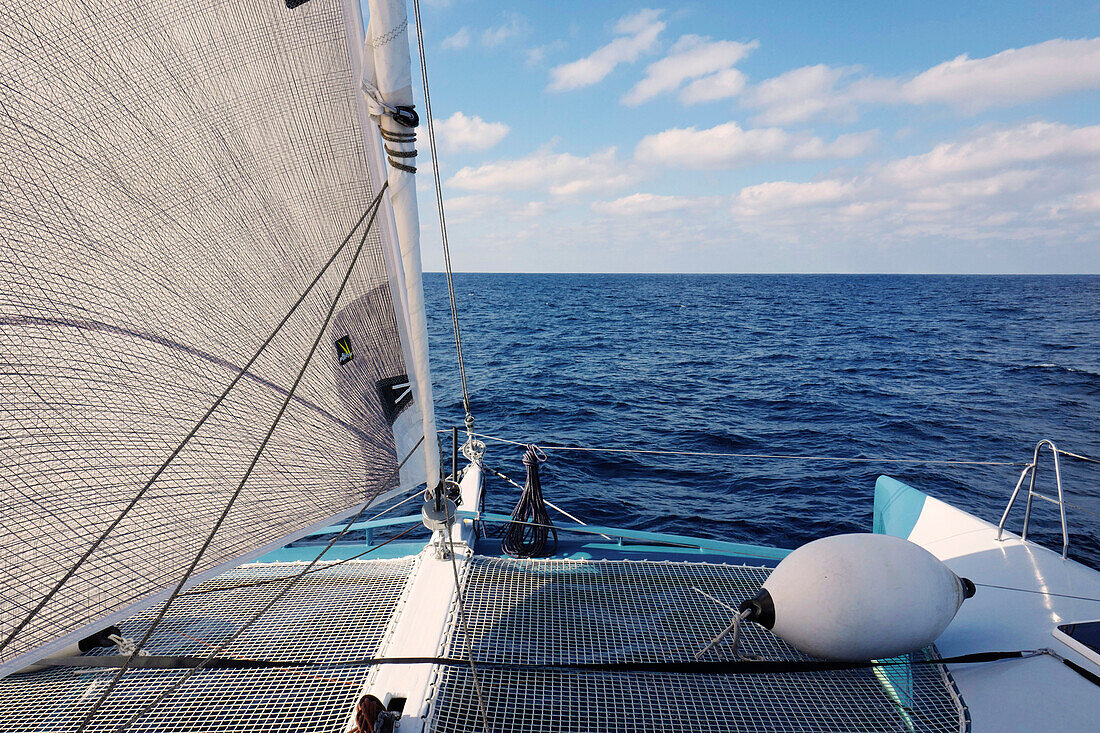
(1029, 694)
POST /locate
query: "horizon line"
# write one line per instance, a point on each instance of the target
(847, 274)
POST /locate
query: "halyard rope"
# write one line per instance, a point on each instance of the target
(442, 218)
(522, 538)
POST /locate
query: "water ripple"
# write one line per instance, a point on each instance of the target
(919, 366)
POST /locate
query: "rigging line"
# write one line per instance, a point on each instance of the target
(1079, 508)
(202, 421)
(205, 663)
(462, 609)
(480, 516)
(1037, 592)
(595, 449)
(347, 526)
(309, 569)
(329, 566)
(550, 504)
(248, 472)
(442, 216)
(692, 667)
(1078, 456)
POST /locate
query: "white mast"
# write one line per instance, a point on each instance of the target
(387, 94)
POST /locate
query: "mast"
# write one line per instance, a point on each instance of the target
(387, 97)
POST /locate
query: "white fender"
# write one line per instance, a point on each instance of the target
(856, 597)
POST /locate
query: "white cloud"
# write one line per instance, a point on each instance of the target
(481, 207)
(636, 34)
(465, 208)
(764, 198)
(721, 85)
(459, 133)
(851, 145)
(639, 22)
(969, 85)
(1024, 145)
(1032, 181)
(1087, 202)
(798, 95)
(729, 146)
(1010, 77)
(642, 204)
(514, 25)
(691, 57)
(1011, 198)
(722, 146)
(537, 54)
(561, 174)
(458, 40)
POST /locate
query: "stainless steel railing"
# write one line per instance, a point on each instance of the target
(1030, 471)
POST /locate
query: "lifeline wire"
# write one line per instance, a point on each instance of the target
(921, 461)
(550, 504)
(255, 460)
(202, 421)
(598, 449)
(1037, 592)
(1078, 456)
(442, 216)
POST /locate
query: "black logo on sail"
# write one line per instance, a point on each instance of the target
(394, 394)
(343, 350)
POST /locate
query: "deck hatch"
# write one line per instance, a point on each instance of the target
(556, 611)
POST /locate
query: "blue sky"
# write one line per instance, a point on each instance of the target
(765, 137)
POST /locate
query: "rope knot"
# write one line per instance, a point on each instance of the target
(533, 457)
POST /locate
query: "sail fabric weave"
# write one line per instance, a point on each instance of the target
(172, 177)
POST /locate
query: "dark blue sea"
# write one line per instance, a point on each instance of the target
(929, 367)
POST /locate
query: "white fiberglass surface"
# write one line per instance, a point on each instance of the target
(1039, 590)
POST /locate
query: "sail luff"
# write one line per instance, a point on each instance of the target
(387, 73)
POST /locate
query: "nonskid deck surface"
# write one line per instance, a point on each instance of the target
(527, 612)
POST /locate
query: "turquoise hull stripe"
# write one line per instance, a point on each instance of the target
(671, 541)
(657, 538)
(897, 507)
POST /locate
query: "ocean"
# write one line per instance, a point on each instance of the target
(954, 368)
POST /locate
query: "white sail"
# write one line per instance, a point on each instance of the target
(386, 84)
(173, 177)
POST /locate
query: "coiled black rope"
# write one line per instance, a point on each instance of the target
(530, 529)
